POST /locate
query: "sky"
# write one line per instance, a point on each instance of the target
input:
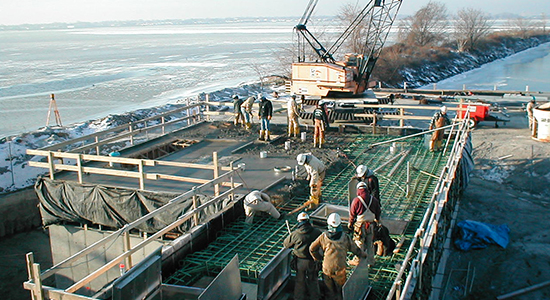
(14, 12)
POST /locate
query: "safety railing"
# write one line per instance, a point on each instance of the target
(83, 164)
(131, 131)
(431, 227)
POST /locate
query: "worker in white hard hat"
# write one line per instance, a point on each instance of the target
(440, 119)
(237, 103)
(316, 174)
(363, 213)
(258, 201)
(306, 285)
(335, 245)
(367, 176)
(293, 116)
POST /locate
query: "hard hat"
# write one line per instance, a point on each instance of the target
(361, 170)
(302, 217)
(263, 98)
(334, 220)
(235, 97)
(301, 159)
(443, 109)
(361, 185)
(293, 96)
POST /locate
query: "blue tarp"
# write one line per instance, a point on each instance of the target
(478, 235)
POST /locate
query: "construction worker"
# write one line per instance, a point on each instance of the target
(440, 119)
(246, 109)
(307, 272)
(316, 174)
(293, 116)
(363, 212)
(335, 246)
(264, 114)
(529, 108)
(367, 176)
(321, 123)
(237, 109)
(258, 201)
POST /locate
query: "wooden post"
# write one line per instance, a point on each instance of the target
(216, 173)
(37, 293)
(30, 262)
(97, 147)
(127, 247)
(402, 114)
(51, 165)
(141, 175)
(163, 121)
(131, 129)
(80, 169)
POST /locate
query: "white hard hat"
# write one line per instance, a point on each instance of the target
(361, 170)
(361, 185)
(301, 159)
(235, 96)
(334, 220)
(302, 217)
(443, 109)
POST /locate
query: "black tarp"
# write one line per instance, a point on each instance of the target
(110, 206)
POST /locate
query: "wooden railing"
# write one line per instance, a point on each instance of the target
(130, 131)
(80, 163)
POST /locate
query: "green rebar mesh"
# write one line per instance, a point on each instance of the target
(258, 243)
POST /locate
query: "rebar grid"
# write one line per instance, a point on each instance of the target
(258, 243)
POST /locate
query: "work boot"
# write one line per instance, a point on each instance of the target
(261, 138)
(248, 125)
(267, 136)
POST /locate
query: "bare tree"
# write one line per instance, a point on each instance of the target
(471, 26)
(522, 26)
(427, 26)
(347, 14)
(543, 22)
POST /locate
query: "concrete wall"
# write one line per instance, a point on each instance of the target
(19, 212)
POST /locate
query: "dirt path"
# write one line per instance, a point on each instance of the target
(510, 185)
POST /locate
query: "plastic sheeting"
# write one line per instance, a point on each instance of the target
(109, 206)
(477, 235)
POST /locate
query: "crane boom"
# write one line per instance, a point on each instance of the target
(327, 75)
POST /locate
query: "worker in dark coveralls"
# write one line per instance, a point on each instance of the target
(307, 272)
(239, 118)
(335, 245)
(440, 119)
(363, 213)
(320, 119)
(264, 114)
